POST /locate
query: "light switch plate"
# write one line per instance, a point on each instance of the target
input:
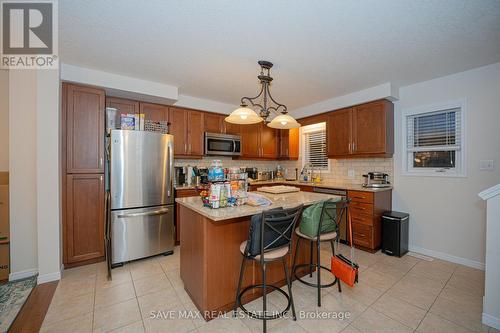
(351, 173)
(486, 165)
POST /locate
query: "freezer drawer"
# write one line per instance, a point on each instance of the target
(142, 232)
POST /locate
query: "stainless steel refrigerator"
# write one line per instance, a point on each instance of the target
(141, 194)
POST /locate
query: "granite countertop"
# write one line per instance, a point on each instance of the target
(286, 200)
(326, 184)
(185, 187)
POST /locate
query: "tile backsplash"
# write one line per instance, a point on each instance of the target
(339, 169)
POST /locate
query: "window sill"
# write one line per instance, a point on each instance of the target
(434, 174)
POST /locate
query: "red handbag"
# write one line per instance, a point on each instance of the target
(345, 269)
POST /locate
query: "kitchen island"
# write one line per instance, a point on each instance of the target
(210, 256)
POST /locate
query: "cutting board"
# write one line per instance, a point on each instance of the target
(279, 189)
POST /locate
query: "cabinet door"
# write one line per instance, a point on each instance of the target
(268, 141)
(289, 144)
(229, 128)
(339, 133)
(195, 132)
(84, 129)
(154, 112)
(370, 128)
(250, 141)
(178, 128)
(84, 217)
(123, 106)
(213, 123)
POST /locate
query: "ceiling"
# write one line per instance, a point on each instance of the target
(321, 49)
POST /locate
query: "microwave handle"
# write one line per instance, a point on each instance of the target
(234, 146)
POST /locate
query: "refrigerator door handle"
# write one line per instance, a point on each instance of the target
(151, 213)
(170, 153)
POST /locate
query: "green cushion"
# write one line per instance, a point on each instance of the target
(310, 220)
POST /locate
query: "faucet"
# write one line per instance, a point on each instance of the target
(307, 167)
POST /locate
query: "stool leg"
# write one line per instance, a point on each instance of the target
(338, 280)
(295, 259)
(264, 298)
(237, 300)
(289, 284)
(318, 271)
(310, 259)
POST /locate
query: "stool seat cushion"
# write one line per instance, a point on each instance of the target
(323, 237)
(269, 255)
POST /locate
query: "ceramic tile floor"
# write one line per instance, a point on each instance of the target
(393, 295)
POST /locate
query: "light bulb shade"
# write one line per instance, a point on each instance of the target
(243, 116)
(284, 121)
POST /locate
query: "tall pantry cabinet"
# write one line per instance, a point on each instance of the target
(82, 174)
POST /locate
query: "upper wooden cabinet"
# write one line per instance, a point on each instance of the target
(123, 106)
(259, 141)
(361, 131)
(84, 128)
(154, 112)
(215, 123)
(339, 133)
(187, 127)
(289, 144)
(84, 218)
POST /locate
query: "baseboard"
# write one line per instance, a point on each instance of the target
(491, 321)
(448, 257)
(55, 276)
(23, 274)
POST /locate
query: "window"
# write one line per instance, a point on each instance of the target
(434, 144)
(314, 146)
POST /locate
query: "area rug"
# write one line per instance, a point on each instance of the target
(12, 297)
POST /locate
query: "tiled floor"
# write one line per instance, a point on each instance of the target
(393, 295)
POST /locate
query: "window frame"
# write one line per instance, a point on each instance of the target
(310, 129)
(460, 157)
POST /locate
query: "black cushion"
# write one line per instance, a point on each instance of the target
(253, 243)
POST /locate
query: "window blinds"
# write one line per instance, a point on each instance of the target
(315, 149)
(434, 131)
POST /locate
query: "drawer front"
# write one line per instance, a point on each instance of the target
(362, 234)
(186, 193)
(360, 208)
(360, 196)
(357, 217)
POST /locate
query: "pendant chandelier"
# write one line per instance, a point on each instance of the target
(265, 104)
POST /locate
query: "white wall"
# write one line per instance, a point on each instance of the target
(447, 218)
(22, 176)
(34, 174)
(48, 175)
(4, 120)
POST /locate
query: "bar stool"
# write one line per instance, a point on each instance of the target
(332, 210)
(275, 227)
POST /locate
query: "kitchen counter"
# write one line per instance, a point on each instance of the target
(286, 200)
(210, 257)
(326, 184)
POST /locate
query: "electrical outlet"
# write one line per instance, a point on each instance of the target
(351, 173)
(486, 165)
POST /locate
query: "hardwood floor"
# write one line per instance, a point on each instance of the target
(31, 316)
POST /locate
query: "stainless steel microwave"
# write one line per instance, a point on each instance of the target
(222, 144)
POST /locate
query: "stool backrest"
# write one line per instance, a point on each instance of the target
(276, 229)
(333, 210)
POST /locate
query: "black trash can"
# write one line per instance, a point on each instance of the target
(395, 233)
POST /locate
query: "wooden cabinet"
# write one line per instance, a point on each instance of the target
(181, 193)
(83, 120)
(214, 123)
(366, 209)
(154, 112)
(361, 131)
(187, 126)
(259, 141)
(229, 128)
(289, 144)
(122, 106)
(84, 218)
(339, 133)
